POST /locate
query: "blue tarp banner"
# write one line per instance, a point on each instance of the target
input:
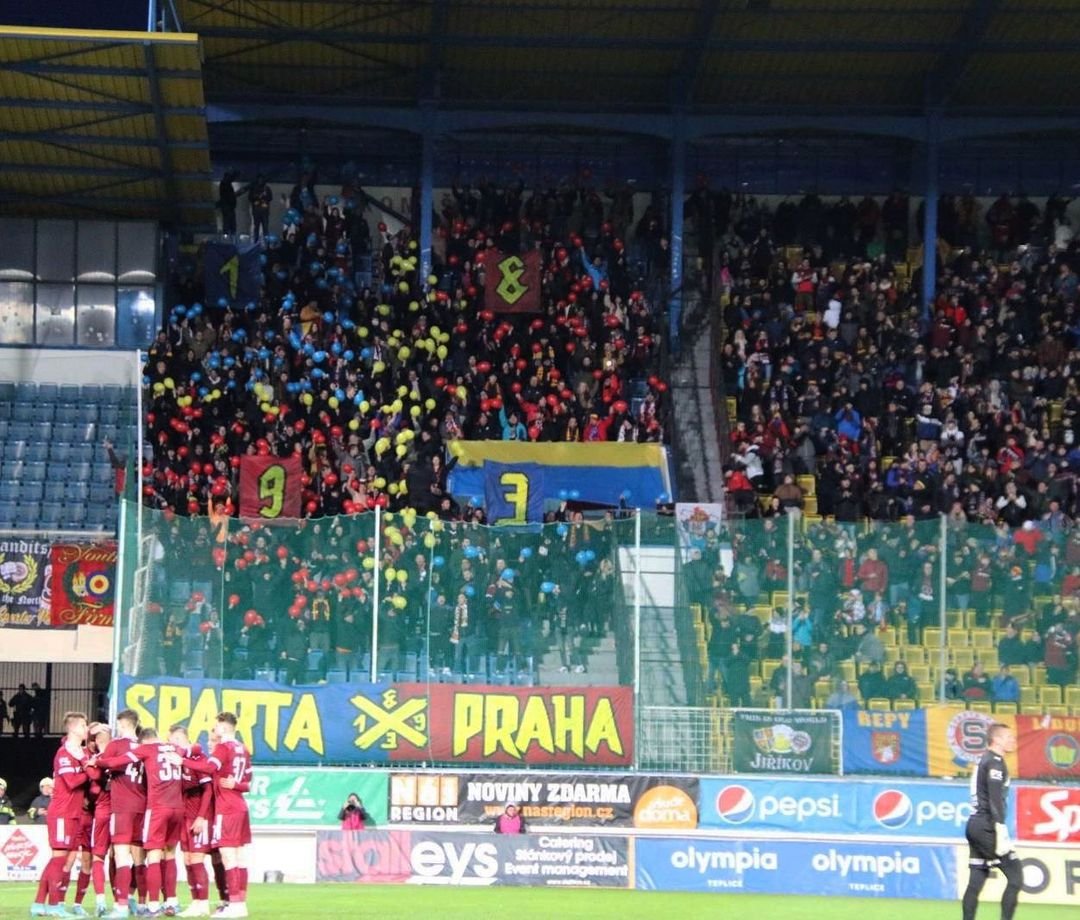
(885, 742)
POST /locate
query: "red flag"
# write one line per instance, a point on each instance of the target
(270, 487)
(82, 584)
(512, 282)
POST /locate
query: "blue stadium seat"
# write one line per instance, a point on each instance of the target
(19, 430)
(112, 393)
(68, 413)
(10, 490)
(8, 515)
(336, 676)
(14, 449)
(79, 471)
(95, 517)
(24, 412)
(32, 472)
(40, 431)
(73, 516)
(81, 452)
(56, 471)
(7, 391)
(101, 494)
(37, 451)
(109, 413)
(70, 393)
(7, 409)
(50, 514)
(89, 393)
(54, 490)
(101, 471)
(29, 513)
(44, 412)
(75, 491)
(30, 490)
(107, 430)
(13, 469)
(59, 450)
(25, 391)
(3, 429)
(48, 392)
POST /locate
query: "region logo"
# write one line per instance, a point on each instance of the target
(19, 850)
(781, 739)
(735, 804)
(892, 809)
(1063, 751)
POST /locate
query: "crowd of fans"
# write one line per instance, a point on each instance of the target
(368, 375)
(901, 414)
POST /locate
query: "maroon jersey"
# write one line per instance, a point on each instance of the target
(127, 786)
(164, 783)
(69, 784)
(231, 758)
(198, 790)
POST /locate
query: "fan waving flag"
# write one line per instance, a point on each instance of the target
(512, 282)
(270, 487)
(232, 272)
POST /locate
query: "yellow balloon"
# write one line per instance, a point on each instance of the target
(402, 576)
(354, 424)
(401, 450)
(368, 563)
(401, 391)
(396, 405)
(170, 384)
(364, 406)
(441, 352)
(382, 445)
(412, 248)
(403, 354)
(388, 517)
(390, 572)
(429, 539)
(159, 388)
(403, 287)
(414, 307)
(435, 331)
(432, 279)
(462, 393)
(378, 367)
(384, 309)
(436, 525)
(396, 538)
(216, 393)
(415, 412)
(429, 404)
(392, 489)
(431, 515)
(379, 482)
(307, 399)
(362, 332)
(334, 402)
(399, 602)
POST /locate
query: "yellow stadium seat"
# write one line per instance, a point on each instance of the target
(768, 668)
(914, 654)
(848, 672)
(887, 636)
(892, 654)
(1028, 695)
(921, 672)
(808, 484)
(780, 599)
(1072, 696)
(982, 638)
(1062, 711)
(1004, 708)
(879, 703)
(1038, 675)
(954, 619)
(989, 659)
(1031, 710)
(958, 637)
(732, 408)
(963, 659)
(1050, 695)
(981, 706)
(927, 691)
(904, 705)
(932, 637)
(810, 504)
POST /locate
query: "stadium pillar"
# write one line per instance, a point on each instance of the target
(427, 198)
(930, 217)
(678, 197)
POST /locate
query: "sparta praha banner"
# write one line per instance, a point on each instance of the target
(512, 282)
(82, 584)
(270, 487)
(401, 723)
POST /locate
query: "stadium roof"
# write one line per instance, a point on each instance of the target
(710, 56)
(103, 124)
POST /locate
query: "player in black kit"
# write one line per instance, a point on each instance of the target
(988, 838)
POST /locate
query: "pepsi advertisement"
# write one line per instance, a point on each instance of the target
(886, 742)
(836, 807)
(796, 867)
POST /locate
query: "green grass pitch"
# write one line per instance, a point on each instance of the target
(284, 902)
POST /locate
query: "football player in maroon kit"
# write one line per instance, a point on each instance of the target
(94, 841)
(64, 818)
(163, 819)
(230, 766)
(198, 819)
(127, 792)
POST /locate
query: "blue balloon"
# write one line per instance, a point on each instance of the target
(469, 590)
(230, 361)
(317, 373)
(438, 562)
(590, 556)
(366, 353)
(563, 495)
(230, 385)
(328, 317)
(663, 498)
(318, 356)
(263, 353)
(309, 349)
(335, 348)
(197, 308)
(195, 376)
(203, 391)
(321, 284)
(292, 387)
(262, 258)
(349, 354)
(191, 314)
(339, 393)
(348, 324)
(526, 552)
(581, 557)
(575, 494)
(508, 574)
(562, 530)
(547, 587)
(471, 552)
(281, 274)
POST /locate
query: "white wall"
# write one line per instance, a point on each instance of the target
(64, 365)
(82, 645)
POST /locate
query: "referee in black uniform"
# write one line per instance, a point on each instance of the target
(988, 838)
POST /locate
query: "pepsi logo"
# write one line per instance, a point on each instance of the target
(735, 804)
(892, 809)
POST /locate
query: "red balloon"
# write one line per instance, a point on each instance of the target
(331, 479)
(620, 406)
(597, 374)
(661, 387)
(234, 599)
(282, 552)
(234, 462)
(249, 555)
(299, 424)
(241, 563)
(198, 597)
(361, 546)
(218, 554)
(312, 506)
(295, 613)
(515, 387)
(205, 627)
(485, 405)
(251, 618)
(496, 403)
(521, 364)
(484, 367)
(263, 450)
(312, 585)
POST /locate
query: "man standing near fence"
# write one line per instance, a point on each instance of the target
(987, 834)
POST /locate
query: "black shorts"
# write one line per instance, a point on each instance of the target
(982, 841)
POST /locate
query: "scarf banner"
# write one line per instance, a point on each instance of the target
(24, 584)
(512, 282)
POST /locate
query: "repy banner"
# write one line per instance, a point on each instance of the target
(885, 742)
(402, 723)
(834, 807)
(796, 867)
(1048, 747)
(957, 739)
(587, 799)
(1051, 876)
(448, 858)
(602, 472)
(24, 584)
(270, 487)
(783, 742)
(1048, 814)
(82, 584)
(303, 797)
(512, 282)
